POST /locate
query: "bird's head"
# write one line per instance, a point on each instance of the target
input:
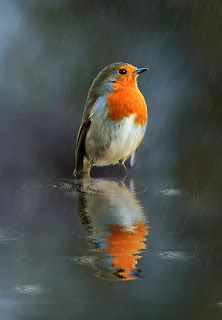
(114, 76)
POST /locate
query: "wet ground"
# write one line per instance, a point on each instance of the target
(108, 248)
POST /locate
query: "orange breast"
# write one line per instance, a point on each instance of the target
(125, 247)
(123, 102)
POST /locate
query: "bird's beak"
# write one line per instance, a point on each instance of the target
(140, 70)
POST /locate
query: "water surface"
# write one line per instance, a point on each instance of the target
(79, 249)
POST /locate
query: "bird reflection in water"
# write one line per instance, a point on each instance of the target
(116, 228)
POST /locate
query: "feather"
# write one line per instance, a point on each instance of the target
(80, 147)
(133, 158)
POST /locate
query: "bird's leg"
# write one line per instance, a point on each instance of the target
(122, 164)
(87, 165)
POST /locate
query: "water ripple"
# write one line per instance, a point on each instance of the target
(171, 192)
(30, 289)
(8, 234)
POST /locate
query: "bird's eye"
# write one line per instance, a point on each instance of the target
(122, 71)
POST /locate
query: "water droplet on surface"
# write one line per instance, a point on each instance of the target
(219, 304)
(84, 260)
(9, 234)
(30, 289)
(175, 255)
(173, 192)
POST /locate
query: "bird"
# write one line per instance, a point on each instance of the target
(114, 120)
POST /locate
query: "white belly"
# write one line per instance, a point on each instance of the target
(109, 141)
(126, 138)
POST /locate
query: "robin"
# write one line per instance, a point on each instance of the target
(114, 120)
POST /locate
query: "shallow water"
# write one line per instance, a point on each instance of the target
(76, 249)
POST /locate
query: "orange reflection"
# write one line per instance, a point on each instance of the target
(125, 247)
(116, 228)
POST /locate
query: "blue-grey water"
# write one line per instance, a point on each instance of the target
(148, 246)
(106, 247)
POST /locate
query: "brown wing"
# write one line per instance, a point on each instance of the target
(95, 91)
(81, 137)
(80, 145)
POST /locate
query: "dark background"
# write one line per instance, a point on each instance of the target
(50, 51)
